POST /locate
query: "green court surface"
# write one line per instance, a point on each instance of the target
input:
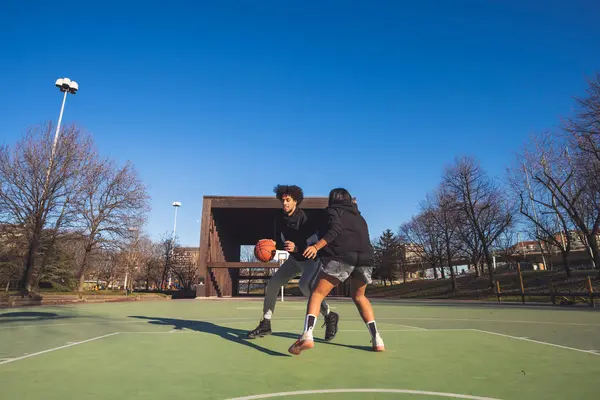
(195, 349)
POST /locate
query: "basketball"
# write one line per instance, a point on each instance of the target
(264, 250)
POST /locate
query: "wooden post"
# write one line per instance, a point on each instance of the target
(521, 283)
(498, 290)
(590, 289)
(552, 296)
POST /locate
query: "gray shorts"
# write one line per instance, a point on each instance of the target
(343, 271)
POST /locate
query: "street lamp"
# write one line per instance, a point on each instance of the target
(66, 86)
(176, 204)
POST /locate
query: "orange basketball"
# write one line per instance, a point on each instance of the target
(264, 250)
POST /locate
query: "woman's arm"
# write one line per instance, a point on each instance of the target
(334, 229)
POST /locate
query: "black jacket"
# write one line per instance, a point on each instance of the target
(347, 235)
(297, 228)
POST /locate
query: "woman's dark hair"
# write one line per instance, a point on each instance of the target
(339, 195)
(293, 191)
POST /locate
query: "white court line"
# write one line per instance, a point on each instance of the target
(386, 323)
(326, 391)
(58, 348)
(408, 330)
(537, 341)
(282, 309)
(489, 320)
(179, 332)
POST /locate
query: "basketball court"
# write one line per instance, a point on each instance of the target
(195, 349)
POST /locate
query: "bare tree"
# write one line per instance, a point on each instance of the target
(504, 245)
(425, 240)
(471, 247)
(483, 204)
(568, 190)
(584, 128)
(113, 201)
(247, 255)
(109, 267)
(185, 267)
(545, 173)
(152, 263)
(167, 245)
(444, 212)
(36, 182)
(582, 132)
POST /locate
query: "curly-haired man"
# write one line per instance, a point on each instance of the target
(296, 233)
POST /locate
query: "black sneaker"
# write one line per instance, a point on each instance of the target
(264, 328)
(331, 325)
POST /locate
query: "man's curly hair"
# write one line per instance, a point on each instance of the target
(295, 192)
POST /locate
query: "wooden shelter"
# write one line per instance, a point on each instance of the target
(231, 222)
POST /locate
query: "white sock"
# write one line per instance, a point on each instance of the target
(372, 328)
(309, 325)
(268, 314)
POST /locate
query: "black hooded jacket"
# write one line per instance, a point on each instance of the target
(296, 228)
(347, 234)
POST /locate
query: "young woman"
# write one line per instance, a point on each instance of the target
(346, 252)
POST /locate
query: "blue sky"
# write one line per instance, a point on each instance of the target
(233, 97)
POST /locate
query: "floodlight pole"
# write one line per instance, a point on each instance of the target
(62, 109)
(176, 205)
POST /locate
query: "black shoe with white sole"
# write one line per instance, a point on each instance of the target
(263, 329)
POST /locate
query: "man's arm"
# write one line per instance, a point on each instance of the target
(279, 232)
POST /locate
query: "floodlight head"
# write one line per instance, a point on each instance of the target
(59, 83)
(176, 204)
(73, 87)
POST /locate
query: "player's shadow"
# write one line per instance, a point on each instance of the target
(321, 341)
(232, 334)
(235, 335)
(20, 316)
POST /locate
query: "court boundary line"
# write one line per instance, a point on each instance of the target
(8, 360)
(58, 348)
(489, 320)
(417, 328)
(331, 391)
(537, 341)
